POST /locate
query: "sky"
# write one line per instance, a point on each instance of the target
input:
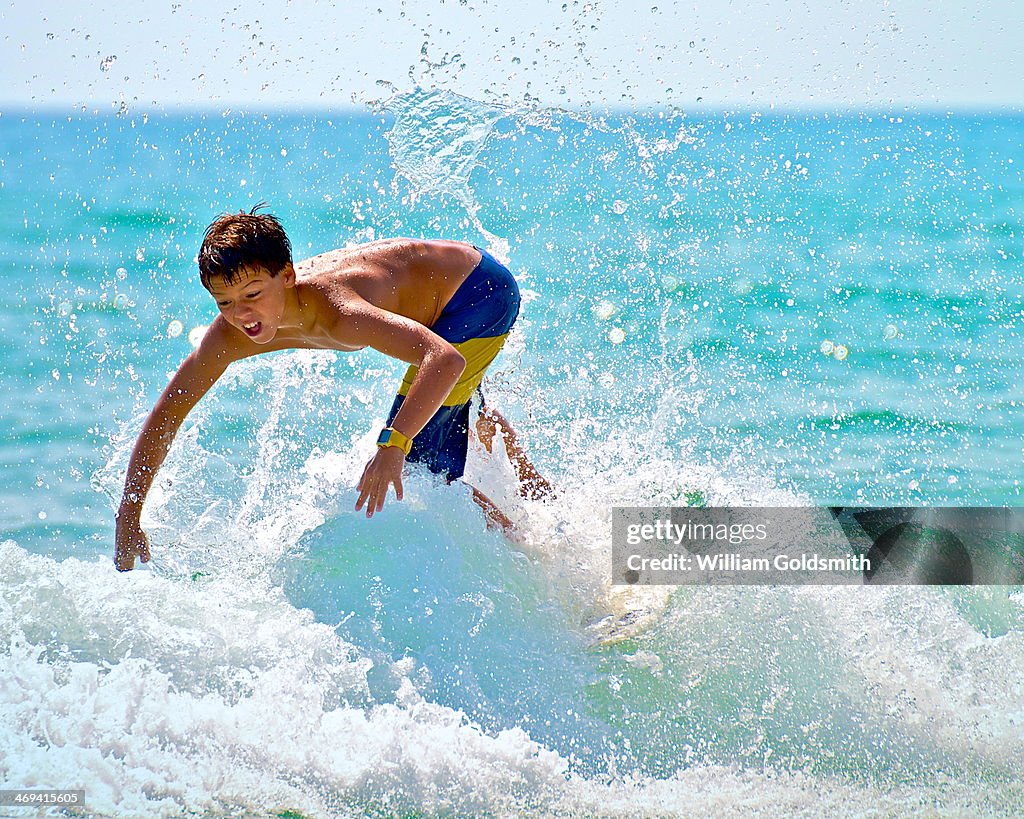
(831, 54)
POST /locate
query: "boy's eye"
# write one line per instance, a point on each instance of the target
(254, 295)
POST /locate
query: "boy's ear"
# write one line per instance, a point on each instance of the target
(289, 275)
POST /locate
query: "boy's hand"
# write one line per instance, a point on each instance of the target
(384, 469)
(129, 541)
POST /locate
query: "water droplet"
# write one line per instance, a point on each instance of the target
(891, 331)
(56, 375)
(827, 347)
(604, 310)
(606, 380)
(616, 335)
(175, 328)
(841, 352)
(107, 63)
(121, 273)
(669, 283)
(120, 301)
(913, 485)
(140, 254)
(42, 515)
(195, 335)
(64, 308)
(958, 369)
(619, 206)
(284, 152)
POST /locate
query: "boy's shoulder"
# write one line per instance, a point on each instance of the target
(411, 278)
(342, 281)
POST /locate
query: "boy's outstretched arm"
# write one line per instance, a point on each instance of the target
(439, 367)
(190, 383)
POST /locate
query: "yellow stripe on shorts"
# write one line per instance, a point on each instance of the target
(479, 353)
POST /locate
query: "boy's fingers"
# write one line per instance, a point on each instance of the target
(125, 561)
(373, 491)
(369, 496)
(364, 489)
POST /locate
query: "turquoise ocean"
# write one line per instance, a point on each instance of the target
(726, 308)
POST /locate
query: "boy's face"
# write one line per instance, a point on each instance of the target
(254, 302)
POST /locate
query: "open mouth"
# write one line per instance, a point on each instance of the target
(253, 329)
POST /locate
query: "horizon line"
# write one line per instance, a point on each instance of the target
(225, 108)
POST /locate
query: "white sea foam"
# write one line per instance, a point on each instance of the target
(163, 697)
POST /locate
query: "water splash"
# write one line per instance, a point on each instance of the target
(435, 145)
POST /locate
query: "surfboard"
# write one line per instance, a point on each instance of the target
(616, 628)
(630, 612)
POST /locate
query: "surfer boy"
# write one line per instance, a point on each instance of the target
(444, 307)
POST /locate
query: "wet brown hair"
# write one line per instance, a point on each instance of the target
(238, 241)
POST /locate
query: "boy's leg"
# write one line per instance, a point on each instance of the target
(531, 484)
(494, 516)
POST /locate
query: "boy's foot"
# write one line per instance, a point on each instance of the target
(495, 517)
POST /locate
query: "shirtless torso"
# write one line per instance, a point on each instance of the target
(330, 301)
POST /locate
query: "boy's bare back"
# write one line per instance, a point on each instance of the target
(413, 278)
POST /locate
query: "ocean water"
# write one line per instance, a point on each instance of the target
(727, 308)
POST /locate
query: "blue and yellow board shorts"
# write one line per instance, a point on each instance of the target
(476, 321)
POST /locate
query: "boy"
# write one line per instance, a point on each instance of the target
(444, 307)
